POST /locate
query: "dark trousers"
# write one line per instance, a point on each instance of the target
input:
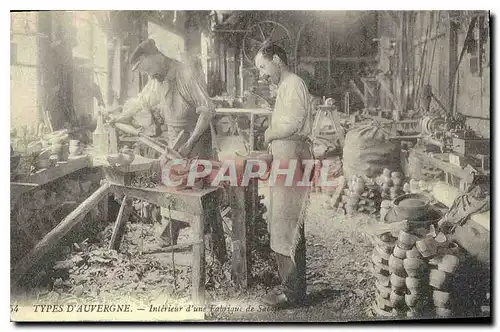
(293, 274)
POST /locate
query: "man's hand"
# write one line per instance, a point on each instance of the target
(113, 118)
(185, 149)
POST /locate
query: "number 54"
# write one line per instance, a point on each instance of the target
(13, 308)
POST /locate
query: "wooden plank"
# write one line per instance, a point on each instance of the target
(253, 200)
(387, 89)
(188, 200)
(54, 236)
(61, 169)
(256, 111)
(103, 206)
(238, 217)
(19, 188)
(152, 144)
(198, 271)
(357, 91)
(172, 248)
(121, 220)
(337, 195)
(177, 215)
(446, 167)
(452, 61)
(140, 164)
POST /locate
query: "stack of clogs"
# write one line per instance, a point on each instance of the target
(443, 262)
(381, 254)
(416, 275)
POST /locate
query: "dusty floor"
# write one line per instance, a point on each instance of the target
(340, 285)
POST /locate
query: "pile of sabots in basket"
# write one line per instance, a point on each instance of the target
(413, 263)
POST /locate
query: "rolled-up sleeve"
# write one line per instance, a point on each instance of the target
(194, 90)
(291, 109)
(145, 100)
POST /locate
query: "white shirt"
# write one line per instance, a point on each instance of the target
(292, 117)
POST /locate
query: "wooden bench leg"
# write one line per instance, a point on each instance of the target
(104, 207)
(214, 217)
(198, 273)
(121, 220)
(239, 253)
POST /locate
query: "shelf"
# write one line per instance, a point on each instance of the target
(61, 169)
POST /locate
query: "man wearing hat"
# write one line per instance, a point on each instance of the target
(180, 99)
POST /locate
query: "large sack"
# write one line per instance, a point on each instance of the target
(367, 151)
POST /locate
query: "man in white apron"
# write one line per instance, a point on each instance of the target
(288, 136)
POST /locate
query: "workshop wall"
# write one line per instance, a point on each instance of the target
(23, 71)
(474, 89)
(351, 36)
(431, 61)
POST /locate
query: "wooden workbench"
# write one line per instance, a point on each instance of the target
(28, 182)
(198, 206)
(441, 161)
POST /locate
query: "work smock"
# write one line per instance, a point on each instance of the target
(291, 121)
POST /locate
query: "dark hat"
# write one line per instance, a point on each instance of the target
(145, 48)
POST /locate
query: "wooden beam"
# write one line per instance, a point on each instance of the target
(214, 218)
(177, 247)
(394, 15)
(424, 40)
(357, 91)
(198, 270)
(238, 217)
(121, 220)
(53, 237)
(389, 93)
(329, 78)
(403, 64)
(452, 62)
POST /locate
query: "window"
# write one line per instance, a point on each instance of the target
(89, 59)
(23, 73)
(90, 63)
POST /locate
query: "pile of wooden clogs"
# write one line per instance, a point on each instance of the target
(414, 270)
(391, 184)
(362, 195)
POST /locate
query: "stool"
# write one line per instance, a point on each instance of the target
(329, 111)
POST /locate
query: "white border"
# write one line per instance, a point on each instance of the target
(198, 5)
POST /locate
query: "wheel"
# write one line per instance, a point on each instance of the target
(265, 33)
